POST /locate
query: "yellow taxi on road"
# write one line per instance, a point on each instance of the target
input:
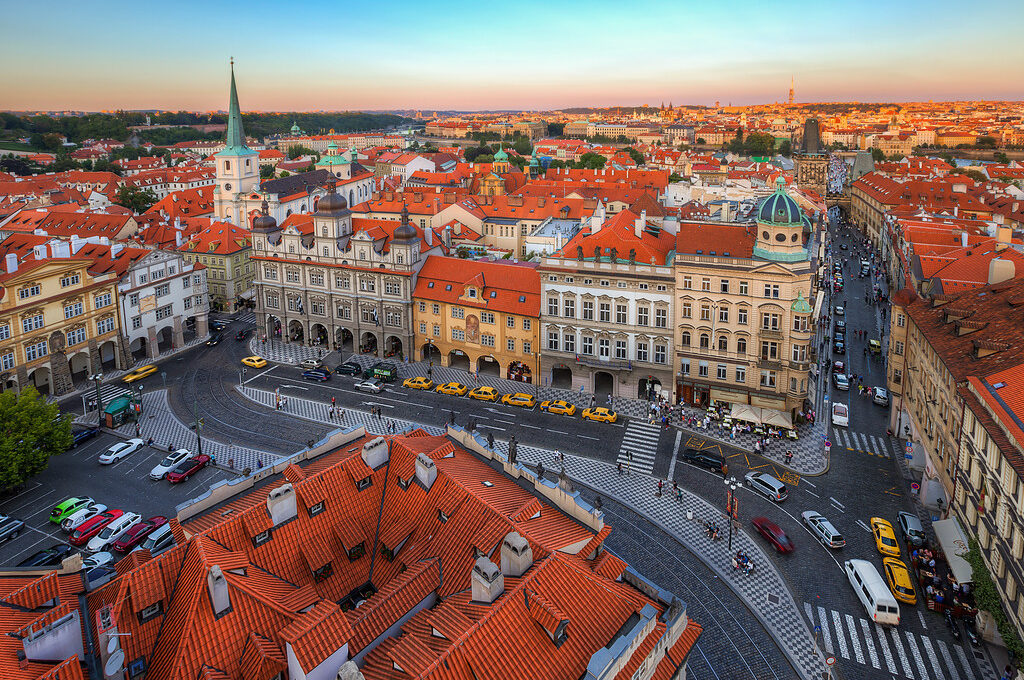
(898, 577)
(454, 388)
(139, 373)
(254, 362)
(600, 415)
(418, 383)
(519, 399)
(558, 406)
(885, 537)
(484, 393)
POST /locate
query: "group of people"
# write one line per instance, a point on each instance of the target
(711, 530)
(742, 561)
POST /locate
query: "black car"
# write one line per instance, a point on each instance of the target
(50, 557)
(840, 326)
(10, 527)
(839, 347)
(241, 335)
(219, 324)
(215, 339)
(80, 434)
(320, 374)
(348, 368)
(840, 338)
(709, 460)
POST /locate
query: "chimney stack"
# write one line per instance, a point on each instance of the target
(426, 471)
(11, 263)
(487, 581)
(281, 504)
(963, 239)
(516, 555)
(220, 599)
(375, 453)
(641, 222)
(1000, 270)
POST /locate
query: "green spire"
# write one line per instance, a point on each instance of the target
(236, 135)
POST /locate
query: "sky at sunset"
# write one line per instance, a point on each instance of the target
(521, 55)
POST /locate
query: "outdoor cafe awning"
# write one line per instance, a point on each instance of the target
(750, 414)
(770, 416)
(954, 545)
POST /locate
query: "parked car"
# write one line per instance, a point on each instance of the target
(840, 381)
(67, 507)
(880, 396)
(600, 414)
(307, 364)
(137, 534)
(139, 373)
(170, 461)
(10, 527)
(558, 406)
(48, 557)
(187, 468)
(382, 370)
(766, 485)
(838, 367)
(98, 576)
(898, 577)
(838, 347)
(885, 537)
(241, 335)
(373, 385)
(99, 559)
(484, 393)
(823, 530)
(78, 518)
(840, 326)
(840, 414)
(773, 534)
(214, 339)
(254, 362)
(709, 460)
(80, 434)
(348, 368)
(113, 531)
(838, 310)
(93, 526)
(120, 451)
(320, 374)
(418, 383)
(911, 528)
(453, 388)
(160, 540)
(520, 399)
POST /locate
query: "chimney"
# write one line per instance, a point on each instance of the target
(417, 197)
(1000, 270)
(963, 239)
(178, 239)
(641, 222)
(1004, 236)
(597, 220)
(281, 504)
(39, 251)
(428, 235)
(437, 204)
(11, 263)
(516, 555)
(375, 453)
(487, 582)
(726, 214)
(104, 241)
(541, 201)
(220, 600)
(177, 222)
(448, 236)
(116, 250)
(426, 471)
(558, 241)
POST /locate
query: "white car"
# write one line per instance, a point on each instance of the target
(120, 451)
(98, 560)
(840, 414)
(823, 529)
(372, 385)
(169, 463)
(112, 532)
(76, 519)
(307, 364)
(880, 396)
(839, 311)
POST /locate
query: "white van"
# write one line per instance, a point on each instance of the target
(881, 606)
(112, 532)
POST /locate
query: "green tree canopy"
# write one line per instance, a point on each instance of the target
(266, 171)
(30, 432)
(591, 161)
(472, 154)
(299, 150)
(637, 157)
(135, 199)
(523, 147)
(556, 129)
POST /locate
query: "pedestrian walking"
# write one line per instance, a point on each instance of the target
(333, 401)
(661, 485)
(725, 470)
(789, 457)
(629, 455)
(330, 413)
(619, 467)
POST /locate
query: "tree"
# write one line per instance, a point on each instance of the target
(675, 177)
(637, 157)
(266, 171)
(523, 147)
(18, 165)
(285, 173)
(701, 140)
(473, 153)
(299, 150)
(786, 148)
(877, 154)
(32, 431)
(135, 199)
(976, 175)
(1001, 157)
(987, 142)
(591, 161)
(556, 129)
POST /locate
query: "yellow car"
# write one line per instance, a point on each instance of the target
(139, 373)
(559, 406)
(519, 399)
(600, 415)
(458, 389)
(898, 577)
(885, 537)
(254, 362)
(419, 383)
(484, 393)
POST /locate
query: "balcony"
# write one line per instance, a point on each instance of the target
(770, 333)
(800, 365)
(771, 364)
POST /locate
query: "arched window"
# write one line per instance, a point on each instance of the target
(741, 345)
(227, 165)
(723, 343)
(705, 341)
(686, 339)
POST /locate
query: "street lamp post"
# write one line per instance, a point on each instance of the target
(732, 505)
(98, 379)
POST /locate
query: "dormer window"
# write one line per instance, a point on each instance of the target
(364, 483)
(356, 551)
(471, 292)
(317, 508)
(323, 573)
(151, 612)
(261, 538)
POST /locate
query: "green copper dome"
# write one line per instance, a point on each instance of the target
(500, 155)
(779, 208)
(800, 304)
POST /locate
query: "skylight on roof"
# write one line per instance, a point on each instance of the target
(448, 287)
(522, 298)
(487, 484)
(999, 384)
(494, 293)
(430, 284)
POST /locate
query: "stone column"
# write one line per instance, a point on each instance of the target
(122, 353)
(60, 374)
(203, 324)
(152, 346)
(178, 339)
(95, 359)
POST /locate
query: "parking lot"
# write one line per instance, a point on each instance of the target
(125, 485)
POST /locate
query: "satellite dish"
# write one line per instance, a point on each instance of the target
(112, 644)
(115, 663)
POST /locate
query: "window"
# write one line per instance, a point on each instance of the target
(159, 274)
(162, 290)
(486, 340)
(705, 341)
(143, 278)
(510, 345)
(487, 317)
(743, 288)
(392, 318)
(136, 322)
(102, 300)
(316, 278)
(768, 378)
(897, 376)
(527, 347)
(741, 316)
(642, 286)
(188, 303)
(569, 308)
(198, 279)
(36, 350)
(291, 275)
(684, 339)
(684, 367)
(458, 334)
(741, 345)
(163, 312)
(901, 320)
(342, 282)
(151, 612)
(605, 312)
(261, 538)
(723, 315)
(770, 322)
(686, 310)
(620, 284)
(458, 313)
(423, 306)
(437, 331)
(702, 369)
(705, 312)
(5, 332)
(587, 345)
(73, 310)
(70, 280)
(510, 322)
(769, 350)
(133, 299)
(723, 372)
(660, 354)
(569, 341)
(604, 347)
(527, 324)
(799, 352)
(723, 343)
(552, 306)
(29, 291)
(7, 361)
(641, 351)
(553, 339)
(620, 314)
(705, 284)
(800, 323)
(897, 347)
(172, 270)
(318, 307)
(273, 301)
(588, 310)
(367, 285)
(723, 285)
(741, 374)
(392, 288)
(643, 316)
(423, 328)
(620, 349)
(771, 290)
(76, 337)
(471, 292)
(687, 283)
(186, 281)
(435, 308)
(31, 323)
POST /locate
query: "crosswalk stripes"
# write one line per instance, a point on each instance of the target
(864, 443)
(639, 445)
(108, 393)
(869, 644)
(246, 317)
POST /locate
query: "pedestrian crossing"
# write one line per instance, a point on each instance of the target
(864, 443)
(108, 393)
(246, 317)
(894, 650)
(639, 446)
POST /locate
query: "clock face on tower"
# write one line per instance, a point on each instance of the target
(227, 187)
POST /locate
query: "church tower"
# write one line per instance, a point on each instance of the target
(238, 168)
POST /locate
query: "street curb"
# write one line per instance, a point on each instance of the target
(721, 577)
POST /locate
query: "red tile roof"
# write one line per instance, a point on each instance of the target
(500, 287)
(653, 245)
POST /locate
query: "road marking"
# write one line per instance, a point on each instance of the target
(854, 638)
(534, 427)
(373, 403)
(512, 422)
(826, 636)
(813, 494)
(30, 501)
(948, 659)
(884, 644)
(921, 616)
(869, 643)
(555, 431)
(294, 387)
(963, 659)
(675, 454)
(807, 481)
(840, 638)
(836, 502)
(904, 661)
(912, 643)
(492, 427)
(29, 490)
(863, 526)
(259, 375)
(930, 651)
(581, 436)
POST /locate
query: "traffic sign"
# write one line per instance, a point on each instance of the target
(830, 661)
(908, 456)
(915, 487)
(817, 629)
(826, 397)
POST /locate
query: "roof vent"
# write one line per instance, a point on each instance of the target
(516, 555)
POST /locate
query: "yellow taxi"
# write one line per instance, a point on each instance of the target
(457, 389)
(139, 373)
(885, 537)
(254, 362)
(484, 393)
(600, 415)
(418, 383)
(560, 406)
(898, 577)
(519, 399)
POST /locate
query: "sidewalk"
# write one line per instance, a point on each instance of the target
(282, 352)
(764, 591)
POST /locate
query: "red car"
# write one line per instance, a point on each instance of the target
(773, 534)
(138, 533)
(91, 527)
(188, 468)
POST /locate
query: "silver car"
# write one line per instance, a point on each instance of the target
(10, 527)
(822, 529)
(910, 525)
(374, 385)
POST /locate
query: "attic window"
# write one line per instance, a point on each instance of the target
(448, 287)
(700, 252)
(999, 385)
(711, 252)
(356, 551)
(441, 516)
(261, 538)
(323, 573)
(725, 254)
(487, 484)
(151, 612)
(522, 298)
(471, 292)
(494, 293)
(430, 284)
(364, 483)
(317, 508)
